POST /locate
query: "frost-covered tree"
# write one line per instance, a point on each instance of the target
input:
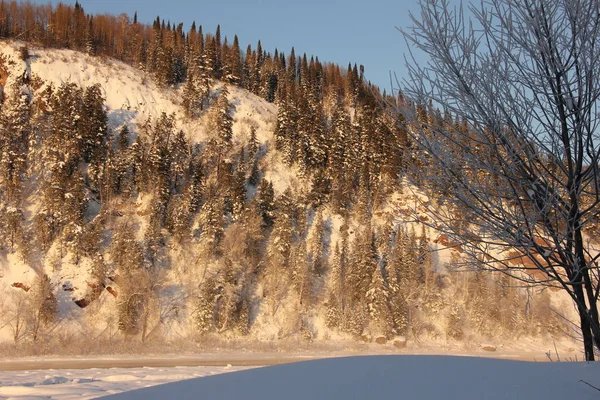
(45, 307)
(224, 120)
(93, 125)
(524, 76)
(204, 312)
(378, 303)
(132, 299)
(191, 97)
(253, 143)
(316, 246)
(15, 129)
(265, 199)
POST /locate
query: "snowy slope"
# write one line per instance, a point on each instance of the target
(132, 98)
(95, 382)
(382, 377)
(391, 377)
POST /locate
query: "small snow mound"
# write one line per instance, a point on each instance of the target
(55, 380)
(488, 347)
(120, 378)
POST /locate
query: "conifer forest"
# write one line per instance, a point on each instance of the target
(253, 195)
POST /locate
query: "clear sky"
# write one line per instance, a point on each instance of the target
(362, 32)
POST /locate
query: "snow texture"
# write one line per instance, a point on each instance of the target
(93, 383)
(382, 377)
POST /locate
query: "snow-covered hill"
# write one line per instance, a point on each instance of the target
(87, 305)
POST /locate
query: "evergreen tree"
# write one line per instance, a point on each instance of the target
(377, 298)
(302, 278)
(15, 130)
(254, 177)
(253, 144)
(266, 202)
(243, 323)
(127, 256)
(205, 305)
(93, 127)
(316, 246)
(224, 120)
(364, 263)
(212, 220)
(179, 152)
(232, 68)
(45, 306)
(191, 97)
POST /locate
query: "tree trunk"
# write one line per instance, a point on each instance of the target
(586, 331)
(590, 309)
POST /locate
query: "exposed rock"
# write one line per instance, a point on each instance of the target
(380, 340)
(111, 290)
(20, 285)
(445, 241)
(488, 347)
(67, 287)
(82, 303)
(400, 342)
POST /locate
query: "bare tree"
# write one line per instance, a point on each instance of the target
(524, 77)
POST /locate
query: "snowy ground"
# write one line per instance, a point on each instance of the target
(95, 382)
(344, 377)
(366, 377)
(390, 377)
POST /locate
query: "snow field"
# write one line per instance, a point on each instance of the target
(390, 377)
(93, 383)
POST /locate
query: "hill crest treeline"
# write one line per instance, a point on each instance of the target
(170, 53)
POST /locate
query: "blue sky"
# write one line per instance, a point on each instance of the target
(334, 30)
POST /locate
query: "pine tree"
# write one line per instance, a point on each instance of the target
(286, 139)
(400, 283)
(224, 120)
(179, 218)
(364, 263)
(238, 194)
(253, 144)
(302, 278)
(90, 40)
(127, 256)
(266, 202)
(243, 323)
(45, 306)
(212, 220)
(333, 316)
(179, 152)
(316, 246)
(15, 130)
(191, 98)
(254, 177)
(230, 285)
(455, 329)
(478, 295)
(11, 227)
(93, 126)
(205, 305)
(232, 68)
(195, 186)
(377, 298)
